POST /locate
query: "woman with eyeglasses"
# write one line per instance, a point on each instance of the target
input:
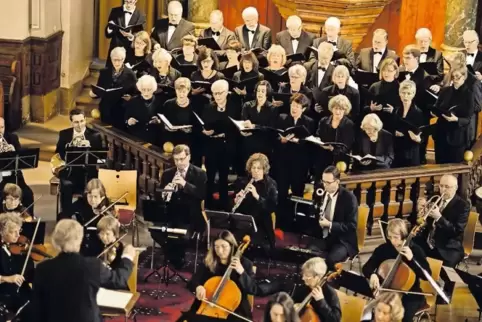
(164, 74)
(12, 202)
(297, 84)
(140, 60)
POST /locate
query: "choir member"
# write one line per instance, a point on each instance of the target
(9, 142)
(220, 140)
(370, 59)
(140, 54)
(257, 196)
(252, 34)
(72, 179)
(188, 56)
(375, 142)
(124, 16)
(280, 308)
(340, 79)
(93, 203)
(15, 291)
(65, 287)
(259, 112)
(141, 116)
(233, 52)
(336, 210)
(324, 302)
(322, 70)
(384, 93)
(342, 46)
(294, 39)
(297, 84)
(12, 202)
(108, 230)
(164, 74)
(389, 308)
(220, 257)
(218, 31)
(474, 56)
(451, 133)
(249, 70)
(428, 54)
(345, 62)
(292, 154)
(337, 128)
(406, 142)
(445, 224)
(167, 33)
(412, 254)
(117, 76)
(276, 57)
(184, 203)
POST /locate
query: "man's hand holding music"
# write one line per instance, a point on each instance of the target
(317, 293)
(155, 120)
(236, 265)
(14, 279)
(407, 253)
(252, 189)
(374, 282)
(324, 223)
(132, 121)
(318, 108)
(179, 180)
(389, 108)
(451, 118)
(435, 88)
(375, 107)
(208, 132)
(200, 293)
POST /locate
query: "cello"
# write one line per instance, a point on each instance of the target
(223, 295)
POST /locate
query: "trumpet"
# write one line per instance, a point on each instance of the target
(435, 201)
(167, 195)
(4, 146)
(241, 197)
(78, 141)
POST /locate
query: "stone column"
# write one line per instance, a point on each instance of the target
(460, 15)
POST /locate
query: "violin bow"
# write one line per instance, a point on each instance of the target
(108, 207)
(30, 206)
(111, 245)
(29, 250)
(226, 310)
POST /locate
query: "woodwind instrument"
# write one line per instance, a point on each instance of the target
(320, 206)
(241, 197)
(167, 195)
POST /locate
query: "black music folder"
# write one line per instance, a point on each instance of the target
(299, 132)
(440, 111)
(337, 55)
(378, 99)
(404, 126)
(165, 89)
(229, 72)
(202, 84)
(298, 57)
(249, 84)
(218, 126)
(209, 43)
(186, 70)
(365, 78)
(355, 283)
(274, 77)
(141, 66)
(107, 93)
(257, 51)
(430, 67)
(115, 26)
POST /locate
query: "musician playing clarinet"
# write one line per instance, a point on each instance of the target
(185, 189)
(257, 195)
(375, 269)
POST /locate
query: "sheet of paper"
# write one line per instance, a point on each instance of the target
(113, 299)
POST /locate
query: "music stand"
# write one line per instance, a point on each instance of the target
(238, 224)
(18, 160)
(474, 283)
(82, 157)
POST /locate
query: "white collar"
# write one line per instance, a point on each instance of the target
(252, 29)
(125, 9)
(75, 133)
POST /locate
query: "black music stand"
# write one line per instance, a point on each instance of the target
(238, 224)
(16, 161)
(474, 283)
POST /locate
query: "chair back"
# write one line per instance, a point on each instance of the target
(469, 233)
(436, 268)
(361, 229)
(351, 307)
(132, 281)
(116, 183)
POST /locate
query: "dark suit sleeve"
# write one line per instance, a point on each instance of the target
(154, 36)
(198, 188)
(15, 141)
(389, 153)
(358, 61)
(373, 262)
(60, 147)
(355, 106)
(112, 17)
(96, 141)
(199, 278)
(328, 308)
(440, 68)
(348, 225)
(269, 202)
(115, 278)
(277, 40)
(246, 280)
(350, 55)
(456, 227)
(266, 44)
(316, 43)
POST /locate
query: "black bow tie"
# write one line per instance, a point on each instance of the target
(322, 68)
(471, 55)
(377, 52)
(173, 25)
(297, 39)
(333, 43)
(252, 31)
(128, 12)
(216, 33)
(423, 53)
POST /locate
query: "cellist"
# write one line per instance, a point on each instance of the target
(219, 258)
(325, 302)
(397, 233)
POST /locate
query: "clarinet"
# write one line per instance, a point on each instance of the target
(244, 193)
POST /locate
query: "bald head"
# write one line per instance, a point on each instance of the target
(174, 12)
(448, 186)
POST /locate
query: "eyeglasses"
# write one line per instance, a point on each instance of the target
(468, 42)
(326, 183)
(219, 93)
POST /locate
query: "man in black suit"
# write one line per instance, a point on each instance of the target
(10, 142)
(322, 70)
(73, 179)
(124, 16)
(184, 204)
(339, 209)
(446, 224)
(65, 287)
(429, 54)
(472, 52)
(168, 33)
(370, 59)
(252, 34)
(218, 31)
(294, 39)
(343, 47)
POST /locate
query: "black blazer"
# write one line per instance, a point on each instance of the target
(328, 309)
(143, 112)
(261, 39)
(325, 82)
(435, 56)
(345, 132)
(283, 38)
(185, 204)
(343, 229)
(12, 139)
(65, 287)
(383, 150)
(344, 46)
(477, 61)
(116, 38)
(364, 60)
(224, 38)
(159, 33)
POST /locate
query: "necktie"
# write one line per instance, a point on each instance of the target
(216, 33)
(128, 12)
(471, 55)
(332, 42)
(292, 39)
(173, 25)
(322, 68)
(423, 53)
(328, 215)
(377, 53)
(251, 31)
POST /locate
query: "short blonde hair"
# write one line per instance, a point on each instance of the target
(11, 189)
(182, 82)
(8, 221)
(388, 62)
(398, 226)
(394, 302)
(341, 70)
(144, 36)
(67, 236)
(189, 40)
(462, 70)
(408, 85)
(147, 81)
(258, 157)
(277, 49)
(160, 55)
(316, 266)
(341, 101)
(109, 223)
(372, 120)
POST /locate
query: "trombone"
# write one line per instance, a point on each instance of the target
(434, 202)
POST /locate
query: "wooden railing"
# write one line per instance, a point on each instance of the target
(395, 191)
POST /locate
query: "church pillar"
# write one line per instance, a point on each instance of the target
(460, 15)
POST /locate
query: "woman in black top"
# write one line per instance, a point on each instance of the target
(280, 308)
(276, 62)
(188, 56)
(297, 84)
(141, 53)
(324, 302)
(219, 257)
(164, 74)
(108, 232)
(231, 66)
(397, 233)
(249, 70)
(12, 202)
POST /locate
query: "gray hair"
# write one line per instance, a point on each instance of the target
(293, 21)
(147, 81)
(341, 70)
(160, 55)
(67, 236)
(423, 32)
(333, 21)
(9, 220)
(220, 84)
(326, 47)
(250, 12)
(277, 49)
(471, 34)
(372, 120)
(341, 101)
(174, 5)
(316, 266)
(381, 32)
(118, 52)
(297, 70)
(182, 82)
(218, 14)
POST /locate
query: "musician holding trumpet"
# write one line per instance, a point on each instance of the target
(446, 220)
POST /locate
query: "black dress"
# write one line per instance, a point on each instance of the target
(407, 151)
(201, 100)
(165, 84)
(241, 75)
(349, 92)
(382, 150)
(137, 65)
(178, 115)
(143, 111)
(384, 93)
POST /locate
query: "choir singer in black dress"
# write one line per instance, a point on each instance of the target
(164, 74)
(249, 69)
(257, 196)
(140, 60)
(297, 84)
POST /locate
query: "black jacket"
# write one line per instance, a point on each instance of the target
(351, 93)
(328, 309)
(344, 46)
(435, 56)
(65, 287)
(143, 111)
(382, 150)
(117, 15)
(364, 60)
(261, 39)
(283, 38)
(160, 31)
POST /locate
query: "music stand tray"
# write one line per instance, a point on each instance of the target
(81, 157)
(234, 222)
(19, 160)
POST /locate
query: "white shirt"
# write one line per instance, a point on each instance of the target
(423, 58)
(321, 74)
(470, 59)
(335, 48)
(5, 248)
(216, 37)
(76, 134)
(376, 60)
(170, 32)
(251, 35)
(294, 44)
(127, 18)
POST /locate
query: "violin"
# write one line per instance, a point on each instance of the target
(103, 211)
(39, 252)
(110, 252)
(223, 295)
(24, 211)
(304, 309)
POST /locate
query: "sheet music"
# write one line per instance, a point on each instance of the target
(113, 299)
(240, 125)
(435, 96)
(128, 65)
(314, 139)
(173, 127)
